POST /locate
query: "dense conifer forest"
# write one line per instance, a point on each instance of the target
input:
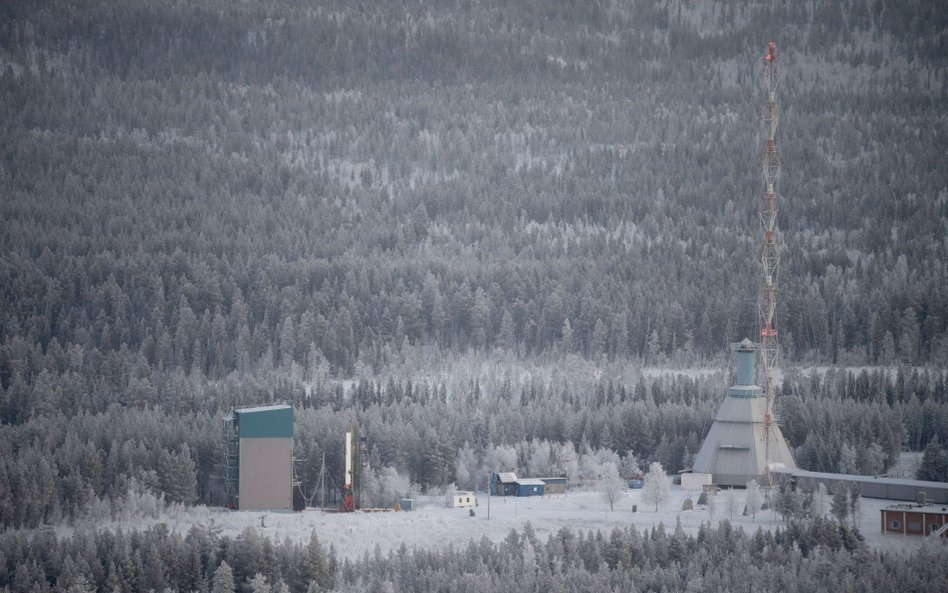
(466, 227)
(818, 556)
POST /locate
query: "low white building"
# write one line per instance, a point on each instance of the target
(693, 481)
(463, 499)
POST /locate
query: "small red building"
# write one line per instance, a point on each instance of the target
(915, 519)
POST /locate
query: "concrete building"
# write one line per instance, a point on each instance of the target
(915, 519)
(258, 465)
(736, 449)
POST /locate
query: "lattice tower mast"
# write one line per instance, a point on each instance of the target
(770, 258)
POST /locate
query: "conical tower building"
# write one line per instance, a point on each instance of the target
(741, 445)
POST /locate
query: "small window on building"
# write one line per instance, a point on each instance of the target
(914, 526)
(895, 525)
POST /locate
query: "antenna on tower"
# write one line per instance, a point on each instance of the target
(770, 257)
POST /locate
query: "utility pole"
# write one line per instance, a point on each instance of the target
(489, 477)
(322, 483)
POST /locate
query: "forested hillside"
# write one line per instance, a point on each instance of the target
(206, 204)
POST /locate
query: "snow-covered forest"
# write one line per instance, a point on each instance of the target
(492, 235)
(820, 556)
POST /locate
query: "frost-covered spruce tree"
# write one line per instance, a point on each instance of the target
(655, 491)
(855, 504)
(847, 460)
(224, 579)
(840, 504)
(788, 503)
(259, 583)
(818, 508)
(934, 466)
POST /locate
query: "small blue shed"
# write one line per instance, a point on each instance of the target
(503, 484)
(530, 487)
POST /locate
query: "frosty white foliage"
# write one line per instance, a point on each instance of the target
(223, 579)
(855, 505)
(847, 460)
(611, 485)
(753, 499)
(566, 461)
(818, 508)
(382, 488)
(259, 584)
(540, 461)
(503, 458)
(592, 462)
(138, 502)
(731, 503)
(656, 490)
(468, 468)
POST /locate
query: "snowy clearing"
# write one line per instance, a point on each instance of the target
(433, 525)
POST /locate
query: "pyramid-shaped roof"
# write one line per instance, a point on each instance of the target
(739, 446)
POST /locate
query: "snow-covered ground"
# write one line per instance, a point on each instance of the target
(433, 525)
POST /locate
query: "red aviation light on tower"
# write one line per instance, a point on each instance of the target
(771, 52)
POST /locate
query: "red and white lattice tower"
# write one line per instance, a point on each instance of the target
(770, 257)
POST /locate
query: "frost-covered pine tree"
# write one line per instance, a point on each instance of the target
(655, 490)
